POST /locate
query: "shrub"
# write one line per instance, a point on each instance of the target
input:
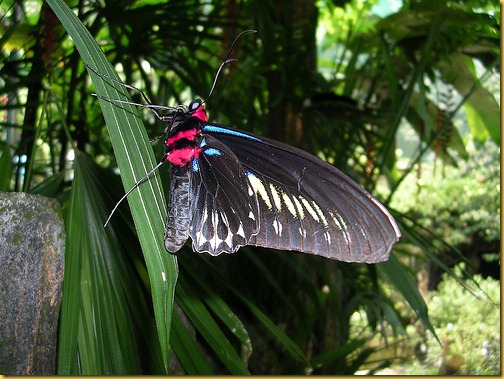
(468, 325)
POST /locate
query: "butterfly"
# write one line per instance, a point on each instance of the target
(231, 188)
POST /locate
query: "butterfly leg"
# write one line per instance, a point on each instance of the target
(132, 188)
(148, 104)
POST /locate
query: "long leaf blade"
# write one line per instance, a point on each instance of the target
(135, 158)
(402, 281)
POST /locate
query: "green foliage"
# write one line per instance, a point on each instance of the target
(348, 84)
(468, 325)
(466, 321)
(461, 204)
(97, 325)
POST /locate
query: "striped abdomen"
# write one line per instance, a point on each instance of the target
(178, 219)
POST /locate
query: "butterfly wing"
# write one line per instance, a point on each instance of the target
(308, 205)
(224, 206)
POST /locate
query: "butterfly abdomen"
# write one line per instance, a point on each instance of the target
(178, 219)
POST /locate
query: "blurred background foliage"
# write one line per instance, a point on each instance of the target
(401, 95)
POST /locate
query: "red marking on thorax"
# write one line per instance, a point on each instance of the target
(200, 113)
(183, 156)
(184, 134)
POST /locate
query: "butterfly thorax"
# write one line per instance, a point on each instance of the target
(183, 135)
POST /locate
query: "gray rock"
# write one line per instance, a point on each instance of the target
(32, 245)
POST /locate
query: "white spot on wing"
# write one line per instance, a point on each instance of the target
(340, 223)
(200, 239)
(278, 227)
(163, 275)
(204, 216)
(299, 207)
(259, 188)
(320, 213)
(229, 240)
(215, 241)
(241, 232)
(250, 190)
(327, 237)
(276, 197)
(335, 220)
(289, 204)
(309, 208)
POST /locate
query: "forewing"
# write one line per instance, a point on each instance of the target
(307, 204)
(224, 206)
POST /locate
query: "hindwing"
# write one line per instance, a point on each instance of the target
(224, 206)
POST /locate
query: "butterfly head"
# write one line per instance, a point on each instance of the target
(197, 109)
(180, 115)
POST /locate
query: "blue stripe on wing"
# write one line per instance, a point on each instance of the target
(212, 151)
(209, 128)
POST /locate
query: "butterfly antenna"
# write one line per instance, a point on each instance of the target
(153, 107)
(132, 188)
(227, 60)
(217, 76)
(238, 37)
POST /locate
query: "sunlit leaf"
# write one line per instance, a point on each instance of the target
(482, 110)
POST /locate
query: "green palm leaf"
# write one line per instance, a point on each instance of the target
(135, 158)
